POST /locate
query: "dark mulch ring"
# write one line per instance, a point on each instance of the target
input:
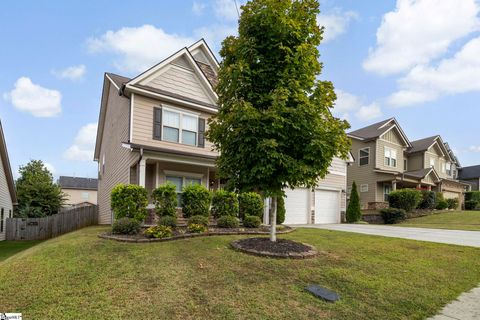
(281, 248)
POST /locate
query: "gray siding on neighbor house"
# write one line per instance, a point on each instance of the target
(5, 200)
(117, 158)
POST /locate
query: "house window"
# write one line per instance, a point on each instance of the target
(386, 191)
(405, 167)
(364, 188)
(390, 157)
(85, 195)
(364, 155)
(448, 167)
(179, 183)
(180, 127)
(432, 162)
(103, 164)
(1, 220)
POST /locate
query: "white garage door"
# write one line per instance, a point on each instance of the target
(327, 206)
(296, 206)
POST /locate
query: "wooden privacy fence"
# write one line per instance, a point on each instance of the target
(51, 226)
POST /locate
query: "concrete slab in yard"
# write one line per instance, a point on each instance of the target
(466, 307)
(458, 237)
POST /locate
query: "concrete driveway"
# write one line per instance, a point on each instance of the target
(458, 237)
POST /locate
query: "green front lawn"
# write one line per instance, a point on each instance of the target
(457, 220)
(79, 276)
(9, 248)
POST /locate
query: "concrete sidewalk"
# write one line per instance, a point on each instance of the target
(466, 307)
(458, 237)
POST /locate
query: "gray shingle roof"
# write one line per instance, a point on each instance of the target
(119, 80)
(372, 131)
(78, 183)
(422, 144)
(469, 172)
(421, 173)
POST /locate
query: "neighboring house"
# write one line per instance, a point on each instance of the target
(8, 197)
(386, 160)
(79, 190)
(470, 175)
(151, 130)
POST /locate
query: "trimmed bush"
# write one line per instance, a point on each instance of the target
(224, 203)
(393, 215)
(125, 226)
(406, 199)
(228, 222)
(168, 221)
(452, 203)
(441, 202)
(159, 232)
(129, 201)
(199, 220)
(353, 213)
(429, 200)
(472, 195)
(196, 200)
(471, 205)
(165, 200)
(252, 222)
(280, 210)
(250, 204)
(196, 228)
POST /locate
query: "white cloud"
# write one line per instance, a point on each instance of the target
(215, 34)
(198, 8)
(348, 103)
(335, 23)
(419, 31)
(226, 9)
(34, 99)
(84, 144)
(138, 48)
(474, 148)
(50, 168)
(71, 73)
(458, 74)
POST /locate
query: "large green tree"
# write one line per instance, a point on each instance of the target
(274, 128)
(38, 195)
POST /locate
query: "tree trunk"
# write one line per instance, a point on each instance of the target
(273, 220)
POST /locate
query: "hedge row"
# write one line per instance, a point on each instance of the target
(409, 199)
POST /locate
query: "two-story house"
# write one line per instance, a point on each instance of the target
(386, 160)
(151, 130)
(8, 196)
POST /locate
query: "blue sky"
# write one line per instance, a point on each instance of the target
(415, 60)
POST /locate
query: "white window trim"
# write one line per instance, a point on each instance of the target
(366, 148)
(183, 174)
(390, 158)
(405, 164)
(385, 186)
(182, 113)
(364, 187)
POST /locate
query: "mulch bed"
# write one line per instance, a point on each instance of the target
(281, 248)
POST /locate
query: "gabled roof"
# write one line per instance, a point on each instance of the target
(6, 167)
(471, 172)
(117, 80)
(422, 173)
(426, 143)
(452, 155)
(78, 183)
(375, 130)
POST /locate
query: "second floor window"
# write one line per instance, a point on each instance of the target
(180, 127)
(432, 162)
(448, 167)
(364, 155)
(390, 157)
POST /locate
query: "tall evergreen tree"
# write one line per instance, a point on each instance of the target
(274, 128)
(354, 213)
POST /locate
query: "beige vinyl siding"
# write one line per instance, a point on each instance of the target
(415, 162)
(392, 136)
(182, 169)
(337, 179)
(117, 158)
(143, 126)
(182, 81)
(434, 153)
(76, 196)
(5, 199)
(380, 159)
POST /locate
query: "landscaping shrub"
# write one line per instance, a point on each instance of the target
(471, 205)
(393, 215)
(472, 195)
(250, 204)
(129, 201)
(196, 228)
(196, 200)
(224, 203)
(251, 222)
(125, 226)
(442, 204)
(168, 221)
(406, 199)
(280, 210)
(165, 200)
(429, 200)
(452, 203)
(228, 222)
(199, 220)
(353, 213)
(159, 232)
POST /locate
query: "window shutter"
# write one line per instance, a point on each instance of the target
(201, 133)
(157, 123)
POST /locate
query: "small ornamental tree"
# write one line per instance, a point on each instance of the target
(38, 196)
(274, 128)
(353, 213)
(129, 201)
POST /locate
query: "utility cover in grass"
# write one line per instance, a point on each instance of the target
(323, 293)
(281, 248)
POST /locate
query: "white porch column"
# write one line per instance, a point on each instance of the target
(157, 175)
(394, 185)
(142, 169)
